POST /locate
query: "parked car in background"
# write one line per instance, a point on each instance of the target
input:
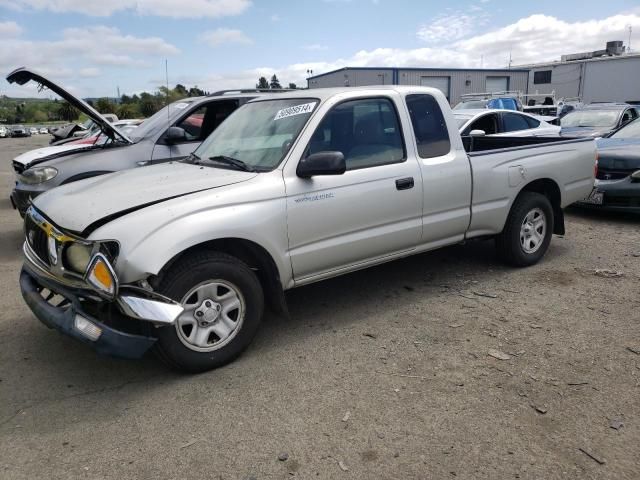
(617, 185)
(33, 131)
(486, 100)
(44, 130)
(502, 123)
(4, 132)
(20, 131)
(597, 119)
(170, 134)
(291, 189)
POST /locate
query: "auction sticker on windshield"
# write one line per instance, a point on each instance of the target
(295, 110)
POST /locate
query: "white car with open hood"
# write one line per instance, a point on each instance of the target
(289, 190)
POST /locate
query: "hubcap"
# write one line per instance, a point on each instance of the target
(213, 315)
(533, 230)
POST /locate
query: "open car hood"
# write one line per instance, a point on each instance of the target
(22, 76)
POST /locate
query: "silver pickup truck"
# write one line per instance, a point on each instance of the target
(183, 256)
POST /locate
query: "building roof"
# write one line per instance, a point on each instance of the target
(425, 69)
(568, 62)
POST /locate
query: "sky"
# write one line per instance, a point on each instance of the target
(97, 48)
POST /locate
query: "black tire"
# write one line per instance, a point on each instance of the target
(189, 272)
(508, 243)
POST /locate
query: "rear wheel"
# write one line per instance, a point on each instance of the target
(223, 305)
(527, 232)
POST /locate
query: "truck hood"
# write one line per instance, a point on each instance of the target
(22, 76)
(85, 205)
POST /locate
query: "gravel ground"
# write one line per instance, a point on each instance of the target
(384, 373)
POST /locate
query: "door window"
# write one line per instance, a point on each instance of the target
(487, 123)
(514, 122)
(432, 136)
(200, 123)
(366, 131)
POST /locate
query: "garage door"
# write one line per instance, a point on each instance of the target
(497, 84)
(441, 83)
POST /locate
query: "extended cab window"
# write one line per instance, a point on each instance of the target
(432, 136)
(366, 131)
(514, 122)
(199, 124)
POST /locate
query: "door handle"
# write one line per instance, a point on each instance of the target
(404, 183)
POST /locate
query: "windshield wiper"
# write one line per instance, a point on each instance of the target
(233, 162)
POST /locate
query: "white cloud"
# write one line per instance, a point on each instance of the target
(220, 36)
(315, 47)
(9, 29)
(275, 17)
(89, 72)
(452, 26)
(162, 8)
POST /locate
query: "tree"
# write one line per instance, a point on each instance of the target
(181, 90)
(148, 105)
(127, 110)
(275, 83)
(67, 112)
(292, 86)
(196, 92)
(262, 83)
(104, 105)
(125, 99)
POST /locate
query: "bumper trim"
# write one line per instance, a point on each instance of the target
(112, 342)
(162, 310)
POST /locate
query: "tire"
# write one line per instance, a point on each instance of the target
(205, 283)
(523, 245)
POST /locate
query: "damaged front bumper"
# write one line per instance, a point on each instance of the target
(120, 328)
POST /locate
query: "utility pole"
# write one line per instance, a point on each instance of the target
(629, 42)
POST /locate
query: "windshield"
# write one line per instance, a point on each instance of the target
(471, 104)
(162, 118)
(590, 118)
(258, 133)
(632, 130)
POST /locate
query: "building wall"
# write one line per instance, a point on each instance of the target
(612, 81)
(353, 78)
(465, 81)
(602, 80)
(461, 81)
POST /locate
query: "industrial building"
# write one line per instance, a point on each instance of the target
(453, 82)
(609, 75)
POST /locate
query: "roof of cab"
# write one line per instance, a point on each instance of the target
(326, 93)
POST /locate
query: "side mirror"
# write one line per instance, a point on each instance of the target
(477, 133)
(175, 135)
(322, 163)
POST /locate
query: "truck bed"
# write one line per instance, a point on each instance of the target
(479, 145)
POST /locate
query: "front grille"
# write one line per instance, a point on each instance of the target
(18, 167)
(37, 239)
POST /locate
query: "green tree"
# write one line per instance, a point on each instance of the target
(196, 92)
(181, 91)
(262, 83)
(148, 105)
(127, 110)
(104, 105)
(275, 83)
(292, 86)
(67, 112)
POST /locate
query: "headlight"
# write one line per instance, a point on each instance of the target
(101, 276)
(636, 175)
(77, 257)
(37, 175)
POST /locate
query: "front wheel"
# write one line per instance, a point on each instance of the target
(527, 232)
(223, 305)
